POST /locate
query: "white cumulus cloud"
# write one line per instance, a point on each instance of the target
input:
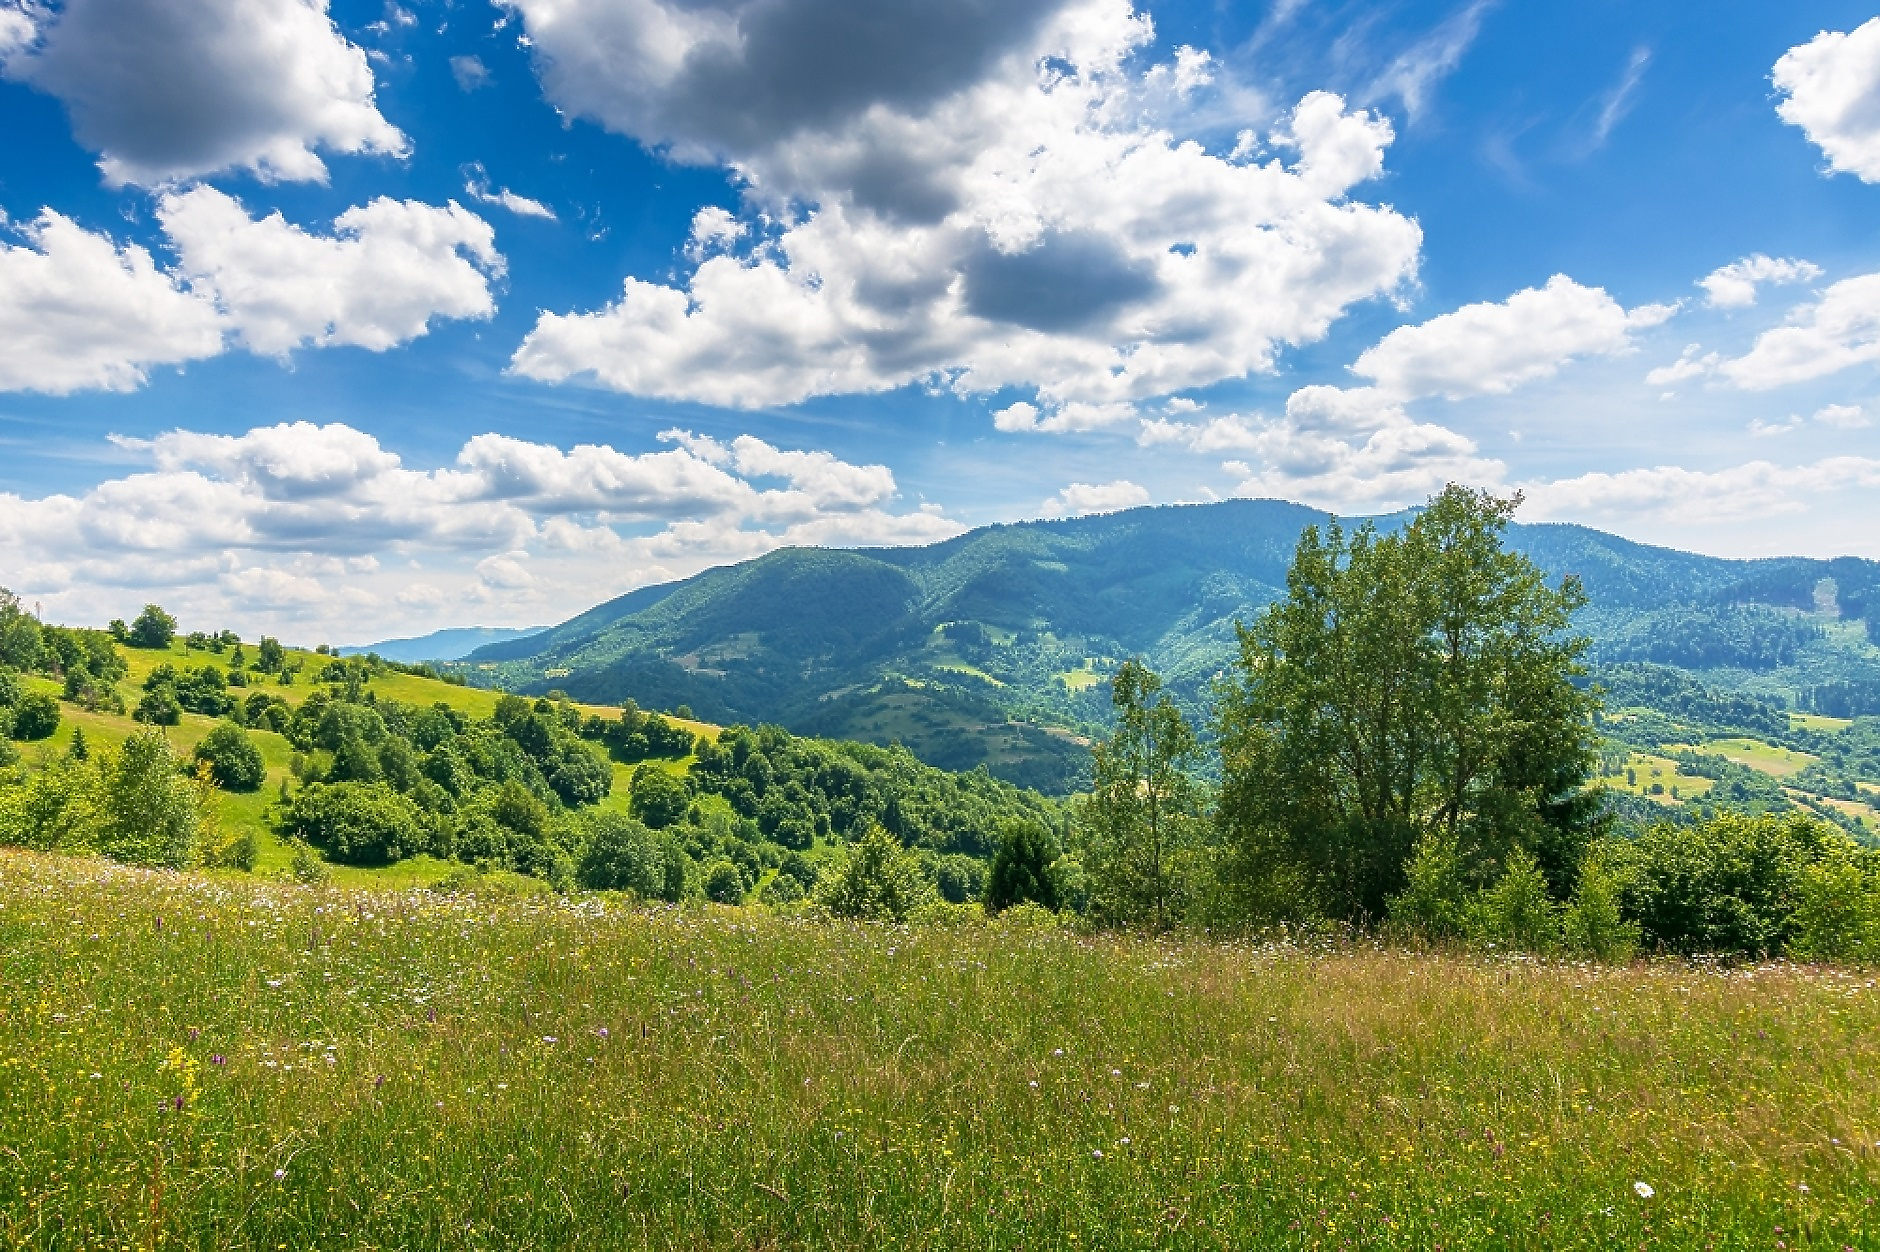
(996, 204)
(389, 267)
(321, 526)
(1831, 86)
(1079, 499)
(1490, 349)
(1734, 285)
(1755, 489)
(163, 90)
(1836, 332)
(78, 312)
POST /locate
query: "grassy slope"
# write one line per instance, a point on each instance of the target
(250, 811)
(414, 1071)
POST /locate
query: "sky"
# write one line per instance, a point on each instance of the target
(354, 320)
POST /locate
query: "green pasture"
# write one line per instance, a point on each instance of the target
(214, 1062)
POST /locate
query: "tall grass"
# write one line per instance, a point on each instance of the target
(194, 1061)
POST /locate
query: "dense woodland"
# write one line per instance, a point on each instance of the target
(1411, 740)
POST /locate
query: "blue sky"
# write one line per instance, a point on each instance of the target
(369, 320)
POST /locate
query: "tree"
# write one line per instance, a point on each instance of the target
(35, 717)
(153, 629)
(1413, 685)
(876, 880)
(724, 884)
(148, 813)
(271, 655)
(234, 761)
(355, 823)
(19, 634)
(1021, 870)
(1142, 821)
(159, 707)
(659, 799)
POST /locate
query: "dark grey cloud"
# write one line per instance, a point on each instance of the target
(812, 64)
(1067, 282)
(167, 89)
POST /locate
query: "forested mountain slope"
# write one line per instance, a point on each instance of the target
(991, 647)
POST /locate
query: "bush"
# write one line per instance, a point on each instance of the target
(782, 891)
(234, 761)
(1517, 911)
(622, 854)
(35, 717)
(240, 852)
(875, 880)
(724, 884)
(355, 823)
(1837, 916)
(1434, 902)
(308, 868)
(1728, 885)
(148, 813)
(659, 799)
(1592, 923)
(159, 708)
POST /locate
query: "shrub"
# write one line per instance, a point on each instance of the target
(1726, 885)
(1592, 923)
(35, 717)
(782, 891)
(1517, 910)
(240, 852)
(153, 629)
(1434, 902)
(307, 867)
(1837, 916)
(659, 799)
(234, 761)
(148, 813)
(159, 707)
(355, 823)
(622, 855)
(724, 883)
(875, 880)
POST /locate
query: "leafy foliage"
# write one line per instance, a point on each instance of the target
(1410, 683)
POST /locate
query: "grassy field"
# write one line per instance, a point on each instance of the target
(1758, 755)
(215, 1062)
(1648, 770)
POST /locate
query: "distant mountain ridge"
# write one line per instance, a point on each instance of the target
(991, 647)
(452, 644)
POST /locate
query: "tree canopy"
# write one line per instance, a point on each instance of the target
(1412, 684)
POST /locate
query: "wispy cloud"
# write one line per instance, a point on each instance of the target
(1618, 101)
(1413, 76)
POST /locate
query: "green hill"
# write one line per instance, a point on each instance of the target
(991, 648)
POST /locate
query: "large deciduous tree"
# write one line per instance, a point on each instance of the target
(1412, 685)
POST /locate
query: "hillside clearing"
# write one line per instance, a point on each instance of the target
(222, 1063)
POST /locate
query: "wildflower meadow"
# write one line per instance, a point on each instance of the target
(207, 1060)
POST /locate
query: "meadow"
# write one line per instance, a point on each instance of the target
(215, 1060)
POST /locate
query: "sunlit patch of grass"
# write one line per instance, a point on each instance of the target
(221, 1062)
(1767, 757)
(1656, 777)
(1815, 721)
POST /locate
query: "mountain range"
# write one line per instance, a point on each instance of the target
(992, 648)
(441, 645)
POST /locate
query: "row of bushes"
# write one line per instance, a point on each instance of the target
(1738, 885)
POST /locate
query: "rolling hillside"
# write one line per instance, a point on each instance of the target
(992, 648)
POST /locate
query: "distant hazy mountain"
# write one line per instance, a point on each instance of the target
(992, 648)
(443, 645)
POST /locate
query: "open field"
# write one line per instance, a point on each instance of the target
(1650, 770)
(214, 1062)
(1770, 759)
